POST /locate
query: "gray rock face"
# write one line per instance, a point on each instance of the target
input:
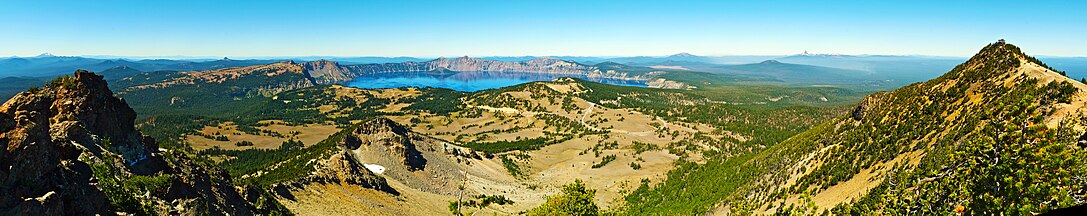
(382, 134)
(54, 136)
(47, 130)
(342, 167)
(329, 72)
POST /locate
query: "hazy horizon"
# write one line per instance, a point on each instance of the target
(531, 28)
(182, 57)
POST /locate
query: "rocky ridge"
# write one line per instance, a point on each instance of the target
(71, 149)
(329, 72)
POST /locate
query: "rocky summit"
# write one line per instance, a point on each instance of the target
(71, 149)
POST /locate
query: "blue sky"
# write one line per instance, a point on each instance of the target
(516, 28)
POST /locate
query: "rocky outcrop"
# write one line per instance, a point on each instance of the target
(343, 168)
(79, 109)
(47, 130)
(70, 148)
(667, 84)
(866, 106)
(382, 134)
(325, 71)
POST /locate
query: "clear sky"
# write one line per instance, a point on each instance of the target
(518, 28)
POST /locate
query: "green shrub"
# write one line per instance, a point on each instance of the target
(575, 199)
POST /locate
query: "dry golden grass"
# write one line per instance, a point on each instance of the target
(307, 134)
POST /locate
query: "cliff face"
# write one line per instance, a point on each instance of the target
(340, 168)
(71, 149)
(328, 72)
(78, 109)
(384, 135)
(325, 71)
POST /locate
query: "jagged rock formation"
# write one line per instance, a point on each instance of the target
(865, 106)
(71, 148)
(342, 168)
(357, 172)
(46, 131)
(325, 71)
(382, 134)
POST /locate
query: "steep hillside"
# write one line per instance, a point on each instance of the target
(72, 149)
(998, 134)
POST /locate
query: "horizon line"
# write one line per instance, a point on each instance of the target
(270, 57)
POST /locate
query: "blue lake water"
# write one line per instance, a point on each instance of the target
(467, 81)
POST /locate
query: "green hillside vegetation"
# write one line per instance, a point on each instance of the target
(734, 105)
(224, 99)
(575, 199)
(992, 155)
(290, 160)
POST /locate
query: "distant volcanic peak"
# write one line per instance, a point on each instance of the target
(683, 54)
(46, 54)
(806, 53)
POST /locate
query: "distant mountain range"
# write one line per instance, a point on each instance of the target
(47, 65)
(330, 72)
(797, 72)
(896, 70)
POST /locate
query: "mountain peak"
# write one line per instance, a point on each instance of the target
(46, 54)
(1002, 55)
(808, 54)
(122, 67)
(1000, 49)
(683, 54)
